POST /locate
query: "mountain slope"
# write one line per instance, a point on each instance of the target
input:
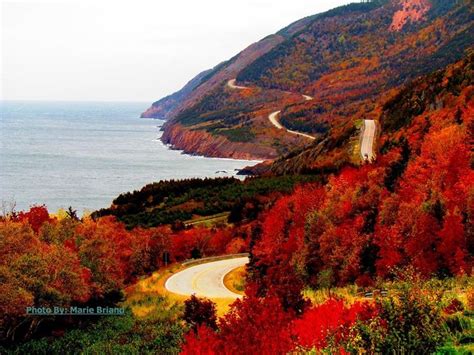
(347, 59)
(411, 208)
(164, 107)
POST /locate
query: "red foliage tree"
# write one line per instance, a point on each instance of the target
(105, 247)
(36, 217)
(453, 245)
(421, 226)
(252, 326)
(329, 321)
(277, 256)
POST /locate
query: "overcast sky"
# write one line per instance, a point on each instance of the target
(129, 50)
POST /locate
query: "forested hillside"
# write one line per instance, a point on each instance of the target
(164, 107)
(348, 60)
(406, 218)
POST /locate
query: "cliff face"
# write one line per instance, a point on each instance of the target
(203, 143)
(347, 60)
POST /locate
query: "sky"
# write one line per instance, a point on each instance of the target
(129, 50)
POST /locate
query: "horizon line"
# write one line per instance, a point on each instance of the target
(74, 100)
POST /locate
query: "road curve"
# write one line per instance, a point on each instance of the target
(273, 117)
(232, 85)
(205, 280)
(367, 144)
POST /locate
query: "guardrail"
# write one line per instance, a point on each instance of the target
(374, 293)
(213, 258)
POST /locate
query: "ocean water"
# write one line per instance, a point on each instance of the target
(84, 154)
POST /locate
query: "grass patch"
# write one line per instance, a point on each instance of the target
(243, 134)
(209, 221)
(144, 297)
(349, 294)
(235, 280)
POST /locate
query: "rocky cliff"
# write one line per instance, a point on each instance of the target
(203, 143)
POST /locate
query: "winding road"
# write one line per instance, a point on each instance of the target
(205, 280)
(273, 117)
(232, 85)
(367, 135)
(367, 144)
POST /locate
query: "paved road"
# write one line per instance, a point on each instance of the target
(368, 136)
(205, 280)
(232, 85)
(273, 117)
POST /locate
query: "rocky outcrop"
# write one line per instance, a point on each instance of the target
(203, 143)
(258, 169)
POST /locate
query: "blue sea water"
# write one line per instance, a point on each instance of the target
(84, 154)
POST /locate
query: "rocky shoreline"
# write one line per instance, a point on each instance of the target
(202, 143)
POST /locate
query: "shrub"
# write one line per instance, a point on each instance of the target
(252, 326)
(413, 321)
(160, 334)
(470, 298)
(454, 306)
(329, 323)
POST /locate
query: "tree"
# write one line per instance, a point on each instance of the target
(252, 326)
(329, 322)
(36, 217)
(200, 312)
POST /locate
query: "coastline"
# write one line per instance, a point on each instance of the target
(254, 168)
(173, 147)
(200, 142)
(196, 155)
(104, 150)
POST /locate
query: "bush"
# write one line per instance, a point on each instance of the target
(161, 334)
(413, 321)
(470, 299)
(454, 306)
